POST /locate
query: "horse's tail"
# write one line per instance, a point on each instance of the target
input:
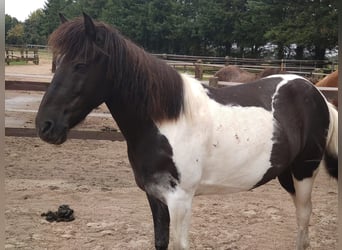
(331, 152)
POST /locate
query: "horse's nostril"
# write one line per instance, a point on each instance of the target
(47, 126)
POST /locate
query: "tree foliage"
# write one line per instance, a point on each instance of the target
(307, 23)
(15, 35)
(201, 27)
(33, 34)
(10, 22)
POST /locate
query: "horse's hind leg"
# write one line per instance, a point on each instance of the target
(161, 222)
(300, 191)
(303, 204)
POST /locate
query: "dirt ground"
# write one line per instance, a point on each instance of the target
(94, 178)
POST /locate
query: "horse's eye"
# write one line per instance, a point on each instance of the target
(80, 67)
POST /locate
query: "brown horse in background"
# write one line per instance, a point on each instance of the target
(330, 80)
(233, 73)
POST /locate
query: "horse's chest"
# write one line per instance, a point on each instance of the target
(226, 149)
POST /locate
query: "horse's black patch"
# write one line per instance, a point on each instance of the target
(253, 94)
(286, 181)
(300, 132)
(149, 152)
(151, 159)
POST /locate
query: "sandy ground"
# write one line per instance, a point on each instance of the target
(94, 178)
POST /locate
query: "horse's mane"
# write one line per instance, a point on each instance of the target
(153, 87)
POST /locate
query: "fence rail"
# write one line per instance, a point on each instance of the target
(254, 64)
(209, 69)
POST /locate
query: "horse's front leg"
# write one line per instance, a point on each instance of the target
(161, 221)
(180, 204)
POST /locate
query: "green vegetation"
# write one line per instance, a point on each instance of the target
(199, 27)
(17, 63)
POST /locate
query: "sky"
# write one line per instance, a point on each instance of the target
(21, 9)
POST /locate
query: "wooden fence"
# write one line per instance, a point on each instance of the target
(21, 54)
(227, 60)
(210, 64)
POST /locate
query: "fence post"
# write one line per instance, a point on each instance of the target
(26, 55)
(22, 54)
(213, 81)
(226, 59)
(53, 65)
(199, 69)
(7, 57)
(282, 65)
(36, 56)
(332, 66)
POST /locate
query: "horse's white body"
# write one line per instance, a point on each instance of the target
(221, 149)
(216, 146)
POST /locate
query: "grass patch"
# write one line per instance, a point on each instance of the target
(16, 63)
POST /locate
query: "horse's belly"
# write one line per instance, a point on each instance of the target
(238, 154)
(233, 174)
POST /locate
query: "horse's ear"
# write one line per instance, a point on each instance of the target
(62, 18)
(90, 29)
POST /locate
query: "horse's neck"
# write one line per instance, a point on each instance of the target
(131, 124)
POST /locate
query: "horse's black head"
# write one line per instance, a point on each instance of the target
(80, 82)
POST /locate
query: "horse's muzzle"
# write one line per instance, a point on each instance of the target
(51, 132)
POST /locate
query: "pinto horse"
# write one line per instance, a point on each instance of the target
(184, 138)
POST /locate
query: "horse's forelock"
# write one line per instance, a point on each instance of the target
(70, 40)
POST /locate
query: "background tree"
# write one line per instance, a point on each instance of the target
(16, 34)
(94, 8)
(310, 23)
(251, 22)
(51, 10)
(10, 22)
(33, 34)
(201, 27)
